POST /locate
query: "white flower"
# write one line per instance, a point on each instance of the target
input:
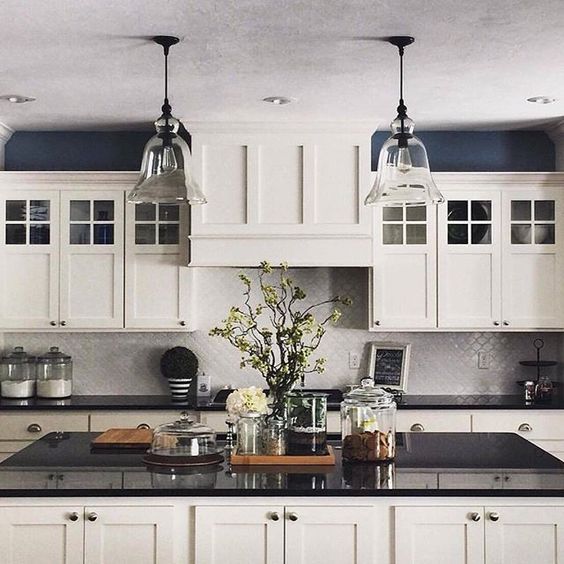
(245, 400)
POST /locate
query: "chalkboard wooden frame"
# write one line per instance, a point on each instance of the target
(394, 377)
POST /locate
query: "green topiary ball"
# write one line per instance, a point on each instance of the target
(179, 362)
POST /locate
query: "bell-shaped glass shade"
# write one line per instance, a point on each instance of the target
(166, 170)
(403, 176)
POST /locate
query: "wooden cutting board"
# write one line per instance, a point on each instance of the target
(124, 438)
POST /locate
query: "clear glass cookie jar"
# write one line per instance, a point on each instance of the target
(368, 424)
(17, 374)
(54, 374)
(183, 443)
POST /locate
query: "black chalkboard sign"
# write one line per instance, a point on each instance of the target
(389, 364)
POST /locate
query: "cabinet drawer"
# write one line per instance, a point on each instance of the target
(434, 421)
(528, 424)
(35, 424)
(103, 420)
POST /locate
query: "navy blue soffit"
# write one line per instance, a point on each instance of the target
(449, 151)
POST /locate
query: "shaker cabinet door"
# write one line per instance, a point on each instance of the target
(29, 260)
(41, 535)
(92, 254)
(240, 535)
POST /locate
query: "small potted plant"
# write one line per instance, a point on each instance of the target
(180, 366)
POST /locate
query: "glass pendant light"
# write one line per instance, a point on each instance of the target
(403, 176)
(166, 166)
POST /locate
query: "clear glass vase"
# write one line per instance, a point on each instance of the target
(274, 437)
(249, 433)
(307, 423)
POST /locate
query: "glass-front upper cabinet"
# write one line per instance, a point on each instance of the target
(29, 249)
(92, 257)
(404, 281)
(469, 267)
(159, 284)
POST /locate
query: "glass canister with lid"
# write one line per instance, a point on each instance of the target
(54, 374)
(17, 374)
(368, 424)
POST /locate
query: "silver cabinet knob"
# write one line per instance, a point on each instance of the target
(475, 516)
(73, 516)
(293, 516)
(34, 428)
(274, 516)
(53, 323)
(143, 426)
(92, 516)
(524, 428)
(496, 323)
(183, 323)
(377, 322)
(63, 323)
(493, 516)
(417, 427)
(506, 323)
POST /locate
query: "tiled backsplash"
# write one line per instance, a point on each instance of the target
(441, 363)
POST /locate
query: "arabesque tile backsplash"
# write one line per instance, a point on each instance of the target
(441, 363)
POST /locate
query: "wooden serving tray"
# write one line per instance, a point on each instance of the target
(285, 460)
(124, 438)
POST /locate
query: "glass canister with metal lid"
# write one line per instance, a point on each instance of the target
(17, 374)
(368, 424)
(54, 374)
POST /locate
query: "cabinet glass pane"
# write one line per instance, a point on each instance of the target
(520, 210)
(15, 234)
(544, 234)
(457, 210)
(416, 213)
(39, 210)
(103, 234)
(168, 212)
(415, 234)
(392, 213)
(481, 210)
(544, 210)
(481, 234)
(80, 210)
(393, 234)
(145, 212)
(521, 234)
(39, 234)
(168, 234)
(103, 210)
(458, 234)
(79, 234)
(15, 210)
(145, 234)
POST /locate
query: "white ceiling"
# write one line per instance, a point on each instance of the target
(91, 66)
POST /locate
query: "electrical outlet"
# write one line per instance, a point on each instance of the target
(484, 360)
(354, 360)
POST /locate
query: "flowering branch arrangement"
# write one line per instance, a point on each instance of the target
(274, 336)
(246, 400)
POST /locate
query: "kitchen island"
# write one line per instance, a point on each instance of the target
(448, 498)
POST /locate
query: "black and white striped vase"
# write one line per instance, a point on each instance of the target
(179, 388)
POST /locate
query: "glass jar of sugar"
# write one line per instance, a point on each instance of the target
(54, 374)
(17, 374)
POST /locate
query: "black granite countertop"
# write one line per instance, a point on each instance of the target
(117, 402)
(427, 464)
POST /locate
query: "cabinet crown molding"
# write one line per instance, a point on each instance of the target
(5, 133)
(366, 127)
(63, 179)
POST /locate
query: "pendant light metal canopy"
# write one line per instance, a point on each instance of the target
(166, 166)
(403, 176)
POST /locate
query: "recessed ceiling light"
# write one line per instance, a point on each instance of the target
(278, 100)
(541, 99)
(17, 98)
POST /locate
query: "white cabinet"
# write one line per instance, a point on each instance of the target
(42, 535)
(439, 535)
(291, 535)
(159, 285)
(404, 282)
(282, 194)
(29, 259)
(74, 534)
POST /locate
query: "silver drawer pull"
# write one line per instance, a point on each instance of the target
(525, 428)
(92, 516)
(493, 516)
(143, 426)
(274, 516)
(417, 427)
(475, 516)
(34, 428)
(293, 516)
(73, 516)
